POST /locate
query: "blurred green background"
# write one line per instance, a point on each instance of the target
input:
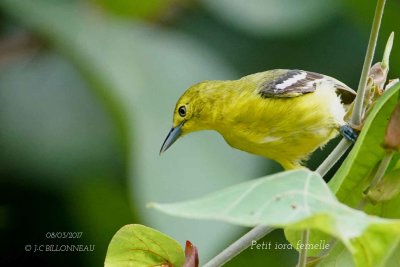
(87, 90)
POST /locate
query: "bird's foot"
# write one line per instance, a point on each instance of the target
(349, 133)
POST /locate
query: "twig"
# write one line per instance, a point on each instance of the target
(382, 168)
(239, 245)
(333, 157)
(377, 177)
(303, 249)
(358, 103)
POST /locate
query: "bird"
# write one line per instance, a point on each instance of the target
(280, 114)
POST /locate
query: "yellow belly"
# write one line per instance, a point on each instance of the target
(284, 129)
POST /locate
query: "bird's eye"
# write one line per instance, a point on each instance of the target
(182, 111)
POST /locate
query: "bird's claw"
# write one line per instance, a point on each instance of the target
(349, 133)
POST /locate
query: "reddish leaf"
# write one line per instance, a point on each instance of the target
(392, 136)
(192, 255)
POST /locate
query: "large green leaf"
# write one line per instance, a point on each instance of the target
(140, 71)
(353, 177)
(140, 246)
(296, 199)
(387, 189)
(340, 256)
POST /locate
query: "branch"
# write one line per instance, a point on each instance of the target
(239, 245)
(358, 103)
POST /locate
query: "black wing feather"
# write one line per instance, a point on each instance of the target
(293, 83)
(302, 83)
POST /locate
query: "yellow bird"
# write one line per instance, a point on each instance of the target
(282, 115)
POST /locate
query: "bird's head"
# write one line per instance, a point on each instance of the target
(193, 111)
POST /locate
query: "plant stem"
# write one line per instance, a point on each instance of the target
(333, 157)
(303, 250)
(378, 176)
(239, 245)
(358, 103)
(382, 168)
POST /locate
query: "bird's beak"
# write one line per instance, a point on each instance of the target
(172, 136)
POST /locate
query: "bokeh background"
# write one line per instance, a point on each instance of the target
(87, 90)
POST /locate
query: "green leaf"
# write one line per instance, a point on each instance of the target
(338, 256)
(296, 199)
(353, 178)
(141, 246)
(388, 50)
(386, 189)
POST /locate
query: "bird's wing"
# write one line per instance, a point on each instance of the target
(292, 83)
